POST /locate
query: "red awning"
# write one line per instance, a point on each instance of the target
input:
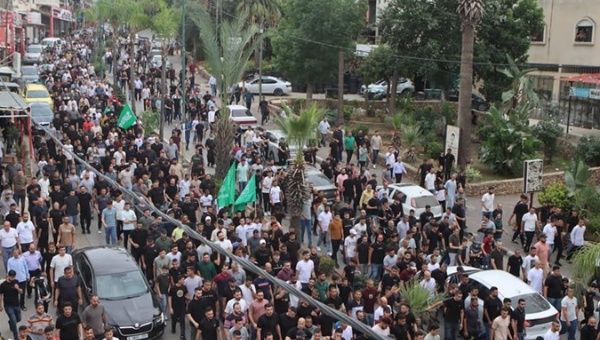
(588, 78)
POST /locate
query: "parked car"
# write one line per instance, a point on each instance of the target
(130, 304)
(241, 116)
(270, 85)
(37, 93)
(155, 52)
(478, 101)
(41, 113)
(33, 54)
(414, 198)
(378, 90)
(539, 313)
(318, 181)
(30, 74)
(10, 87)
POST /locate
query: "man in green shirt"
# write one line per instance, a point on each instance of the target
(349, 145)
(207, 268)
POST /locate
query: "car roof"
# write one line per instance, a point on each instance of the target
(36, 87)
(277, 133)
(411, 190)
(237, 107)
(508, 285)
(34, 45)
(109, 260)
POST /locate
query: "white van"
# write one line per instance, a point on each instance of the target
(51, 42)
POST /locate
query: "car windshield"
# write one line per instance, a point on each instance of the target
(41, 111)
(240, 113)
(37, 94)
(30, 71)
(120, 285)
(318, 180)
(535, 303)
(34, 49)
(422, 201)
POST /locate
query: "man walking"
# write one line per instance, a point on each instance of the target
(94, 317)
(9, 301)
(9, 239)
(19, 266)
(109, 221)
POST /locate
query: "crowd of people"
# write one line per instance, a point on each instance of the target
(375, 247)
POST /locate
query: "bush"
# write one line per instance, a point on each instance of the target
(432, 147)
(548, 132)
(587, 201)
(348, 111)
(588, 149)
(473, 174)
(556, 195)
(593, 225)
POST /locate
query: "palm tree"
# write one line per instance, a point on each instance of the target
(470, 12)
(300, 129)
(522, 88)
(264, 12)
(137, 21)
(227, 53)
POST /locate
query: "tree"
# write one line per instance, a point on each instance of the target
(227, 52)
(137, 20)
(426, 36)
(521, 86)
(470, 12)
(309, 36)
(300, 129)
(261, 12)
(548, 132)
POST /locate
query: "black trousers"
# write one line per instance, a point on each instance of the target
(528, 239)
(85, 219)
(349, 155)
(266, 202)
(335, 246)
(178, 316)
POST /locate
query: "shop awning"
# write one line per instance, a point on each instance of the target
(11, 101)
(586, 78)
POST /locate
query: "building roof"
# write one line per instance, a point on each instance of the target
(11, 101)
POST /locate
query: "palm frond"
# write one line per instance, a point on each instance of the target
(587, 262)
(301, 127)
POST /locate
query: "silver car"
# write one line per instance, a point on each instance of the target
(33, 54)
(41, 113)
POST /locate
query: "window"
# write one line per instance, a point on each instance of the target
(538, 36)
(584, 31)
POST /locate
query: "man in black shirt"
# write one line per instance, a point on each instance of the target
(209, 325)
(521, 208)
(195, 312)
(589, 331)
(492, 307)
(454, 310)
(515, 261)
(268, 324)
(177, 302)
(287, 321)
(553, 288)
(376, 255)
(518, 319)
(9, 292)
(69, 324)
(85, 209)
(137, 241)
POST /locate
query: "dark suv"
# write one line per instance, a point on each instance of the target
(131, 308)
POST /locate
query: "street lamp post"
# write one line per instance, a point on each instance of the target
(569, 108)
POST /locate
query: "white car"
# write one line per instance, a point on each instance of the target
(241, 116)
(274, 136)
(51, 42)
(156, 62)
(378, 90)
(415, 198)
(33, 54)
(270, 85)
(539, 313)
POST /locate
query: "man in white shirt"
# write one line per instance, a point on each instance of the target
(535, 277)
(568, 315)
(324, 219)
(550, 232)
(390, 159)
(553, 332)
(487, 202)
(129, 220)
(430, 181)
(529, 261)
(25, 231)
(324, 130)
(9, 239)
(265, 189)
(58, 264)
(276, 197)
(402, 227)
(375, 147)
(577, 239)
(350, 246)
(399, 170)
(529, 223)
(305, 268)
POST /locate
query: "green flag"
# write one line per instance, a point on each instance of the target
(248, 195)
(126, 118)
(226, 194)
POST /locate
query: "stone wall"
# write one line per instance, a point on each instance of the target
(515, 185)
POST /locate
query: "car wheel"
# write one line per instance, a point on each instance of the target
(278, 92)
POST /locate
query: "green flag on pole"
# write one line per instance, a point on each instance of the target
(226, 194)
(248, 195)
(126, 118)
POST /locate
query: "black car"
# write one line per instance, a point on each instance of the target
(131, 308)
(478, 103)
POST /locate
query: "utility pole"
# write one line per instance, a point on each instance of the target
(260, 53)
(183, 61)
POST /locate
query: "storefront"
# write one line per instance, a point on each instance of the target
(35, 30)
(59, 21)
(12, 33)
